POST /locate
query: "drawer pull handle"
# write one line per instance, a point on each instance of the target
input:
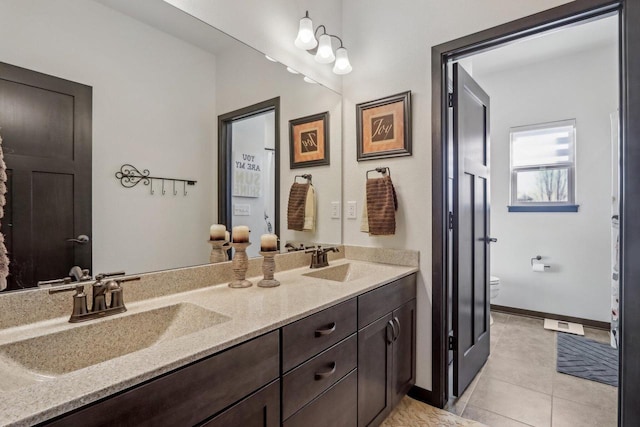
(323, 375)
(326, 331)
(397, 322)
(391, 338)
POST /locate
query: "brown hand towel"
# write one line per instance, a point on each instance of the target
(296, 209)
(381, 206)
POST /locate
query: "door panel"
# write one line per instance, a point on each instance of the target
(404, 350)
(46, 131)
(471, 227)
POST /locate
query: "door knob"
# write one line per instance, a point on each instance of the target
(81, 239)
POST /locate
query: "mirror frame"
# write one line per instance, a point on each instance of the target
(225, 153)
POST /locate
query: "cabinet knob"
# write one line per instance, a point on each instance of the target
(397, 323)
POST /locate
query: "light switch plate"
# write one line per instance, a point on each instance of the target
(335, 210)
(352, 209)
(241, 209)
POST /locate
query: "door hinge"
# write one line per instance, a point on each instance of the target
(453, 343)
(450, 221)
(450, 100)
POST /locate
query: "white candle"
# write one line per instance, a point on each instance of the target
(268, 242)
(240, 234)
(217, 231)
(227, 236)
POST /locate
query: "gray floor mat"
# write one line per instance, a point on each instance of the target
(585, 358)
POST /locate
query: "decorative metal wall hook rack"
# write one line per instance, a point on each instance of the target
(130, 176)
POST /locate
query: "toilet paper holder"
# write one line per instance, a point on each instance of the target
(538, 258)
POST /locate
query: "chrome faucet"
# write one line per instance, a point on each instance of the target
(319, 256)
(100, 288)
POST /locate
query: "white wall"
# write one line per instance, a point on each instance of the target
(582, 86)
(260, 80)
(153, 104)
(390, 49)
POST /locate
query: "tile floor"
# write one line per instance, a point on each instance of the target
(519, 385)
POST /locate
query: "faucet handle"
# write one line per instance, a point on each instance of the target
(78, 288)
(101, 276)
(48, 283)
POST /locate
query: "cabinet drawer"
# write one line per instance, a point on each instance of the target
(191, 394)
(261, 409)
(378, 302)
(308, 380)
(337, 407)
(311, 335)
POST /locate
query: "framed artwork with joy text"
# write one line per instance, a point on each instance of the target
(309, 141)
(384, 127)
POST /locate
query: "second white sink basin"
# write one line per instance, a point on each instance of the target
(342, 273)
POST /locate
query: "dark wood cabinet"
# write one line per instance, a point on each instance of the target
(375, 353)
(386, 349)
(404, 351)
(345, 366)
(261, 409)
(336, 407)
(189, 395)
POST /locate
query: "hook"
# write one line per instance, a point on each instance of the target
(174, 187)
(163, 192)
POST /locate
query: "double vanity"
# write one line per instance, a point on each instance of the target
(332, 346)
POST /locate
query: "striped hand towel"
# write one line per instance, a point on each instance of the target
(301, 208)
(381, 206)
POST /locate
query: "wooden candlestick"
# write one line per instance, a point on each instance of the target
(268, 268)
(219, 250)
(239, 265)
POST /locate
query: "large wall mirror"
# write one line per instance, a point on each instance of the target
(139, 84)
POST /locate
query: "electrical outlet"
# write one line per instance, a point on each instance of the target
(352, 209)
(335, 210)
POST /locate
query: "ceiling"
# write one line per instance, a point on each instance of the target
(552, 44)
(169, 19)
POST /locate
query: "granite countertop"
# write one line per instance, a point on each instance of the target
(238, 315)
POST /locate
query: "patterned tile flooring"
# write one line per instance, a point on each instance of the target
(519, 385)
(412, 413)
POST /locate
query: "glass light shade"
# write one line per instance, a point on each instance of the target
(306, 39)
(325, 51)
(342, 65)
(308, 80)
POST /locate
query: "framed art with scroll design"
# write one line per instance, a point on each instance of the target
(383, 127)
(309, 141)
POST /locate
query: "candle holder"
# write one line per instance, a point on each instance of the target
(268, 268)
(239, 265)
(219, 250)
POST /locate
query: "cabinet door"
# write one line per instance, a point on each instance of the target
(374, 371)
(404, 350)
(261, 409)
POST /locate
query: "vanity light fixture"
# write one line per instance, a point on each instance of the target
(308, 80)
(292, 71)
(270, 58)
(321, 48)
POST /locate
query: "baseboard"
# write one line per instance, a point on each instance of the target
(423, 395)
(531, 313)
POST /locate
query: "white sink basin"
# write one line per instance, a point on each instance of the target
(92, 343)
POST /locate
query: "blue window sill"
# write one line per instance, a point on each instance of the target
(539, 208)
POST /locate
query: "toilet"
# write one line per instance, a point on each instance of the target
(494, 290)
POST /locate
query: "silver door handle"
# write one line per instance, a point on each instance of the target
(81, 239)
(491, 240)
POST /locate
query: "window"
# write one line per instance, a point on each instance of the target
(543, 167)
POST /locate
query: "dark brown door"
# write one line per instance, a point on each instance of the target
(404, 350)
(375, 362)
(45, 123)
(470, 228)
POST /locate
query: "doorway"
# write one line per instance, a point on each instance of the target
(249, 170)
(45, 122)
(630, 89)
